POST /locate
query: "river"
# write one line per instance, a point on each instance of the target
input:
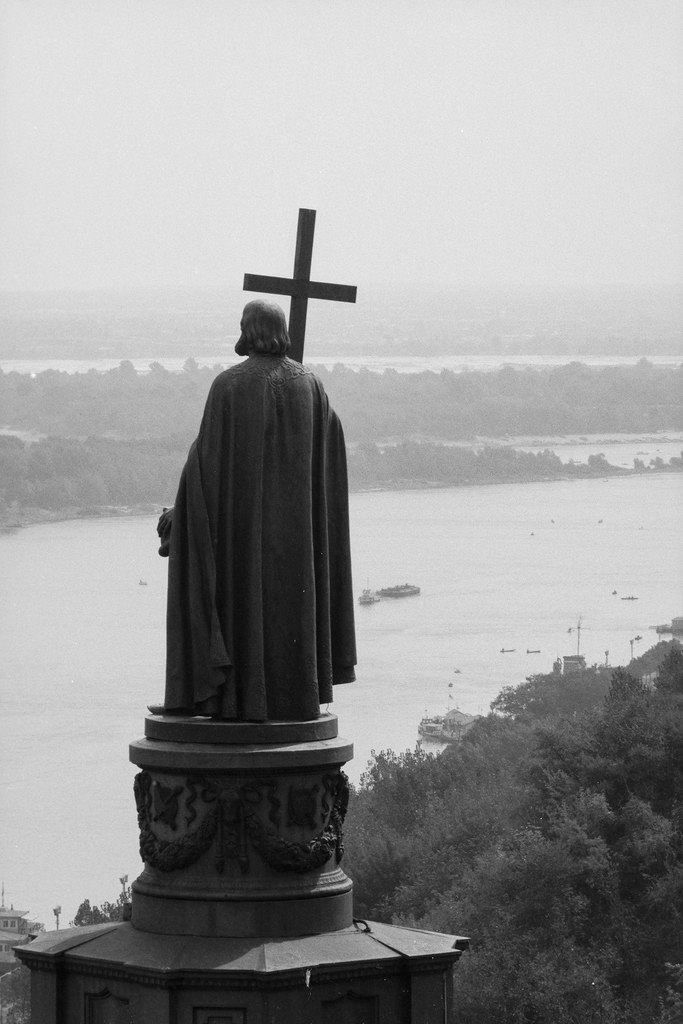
(505, 566)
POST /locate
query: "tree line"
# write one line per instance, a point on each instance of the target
(84, 476)
(119, 438)
(373, 406)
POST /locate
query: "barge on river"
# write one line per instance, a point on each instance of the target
(402, 590)
(448, 728)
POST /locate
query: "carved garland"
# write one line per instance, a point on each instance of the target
(178, 853)
(280, 854)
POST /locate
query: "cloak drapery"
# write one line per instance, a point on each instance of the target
(260, 604)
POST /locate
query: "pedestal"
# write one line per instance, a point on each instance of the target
(241, 828)
(242, 913)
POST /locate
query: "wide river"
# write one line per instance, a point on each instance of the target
(507, 566)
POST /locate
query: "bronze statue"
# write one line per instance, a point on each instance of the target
(260, 606)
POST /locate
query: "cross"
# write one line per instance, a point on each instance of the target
(299, 285)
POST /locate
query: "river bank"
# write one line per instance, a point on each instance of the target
(18, 518)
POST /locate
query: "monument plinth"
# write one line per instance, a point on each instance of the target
(241, 827)
(242, 913)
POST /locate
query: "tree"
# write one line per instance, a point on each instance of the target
(670, 678)
(16, 996)
(553, 694)
(87, 914)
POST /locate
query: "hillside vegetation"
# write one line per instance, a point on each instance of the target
(120, 438)
(551, 836)
(373, 406)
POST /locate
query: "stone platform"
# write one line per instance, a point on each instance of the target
(368, 973)
(242, 913)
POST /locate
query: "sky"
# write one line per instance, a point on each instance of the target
(466, 143)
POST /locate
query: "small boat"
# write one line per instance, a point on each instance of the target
(142, 583)
(368, 597)
(614, 593)
(532, 652)
(631, 597)
(402, 590)
(457, 671)
(508, 650)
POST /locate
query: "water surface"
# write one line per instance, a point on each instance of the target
(83, 643)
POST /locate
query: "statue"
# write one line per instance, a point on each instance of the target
(260, 605)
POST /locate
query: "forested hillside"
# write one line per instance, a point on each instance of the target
(551, 836)
(373, 406)
(69, 476)
(120, 438)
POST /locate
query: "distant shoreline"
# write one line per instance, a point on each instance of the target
(18, 519)
(11, 521)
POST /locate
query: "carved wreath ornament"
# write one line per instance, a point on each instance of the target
(232, 820)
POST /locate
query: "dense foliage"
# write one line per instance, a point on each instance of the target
(120, 438)
(552, 837)
(68, 473)
(15, 995)
(373, 406)
(61, 473)
(107, 912)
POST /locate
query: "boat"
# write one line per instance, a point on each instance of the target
(142, 583)
(368, 597)
(630, 597)
(402, 590)
(532, 652)
(448, 728)
(508, 650)
(675, 627)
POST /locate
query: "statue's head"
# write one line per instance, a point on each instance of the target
(264, 330)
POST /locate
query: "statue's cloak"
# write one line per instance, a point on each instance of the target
(260, 604)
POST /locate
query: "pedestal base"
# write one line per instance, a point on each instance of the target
(241, 828)
(368, 973)
(242, 914)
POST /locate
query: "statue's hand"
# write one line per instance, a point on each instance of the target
(164, 530)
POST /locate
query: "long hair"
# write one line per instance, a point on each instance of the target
(264, 330)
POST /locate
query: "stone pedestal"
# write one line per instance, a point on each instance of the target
(242, 914)
(241, 828)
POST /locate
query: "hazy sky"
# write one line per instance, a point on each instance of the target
(466, 142)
